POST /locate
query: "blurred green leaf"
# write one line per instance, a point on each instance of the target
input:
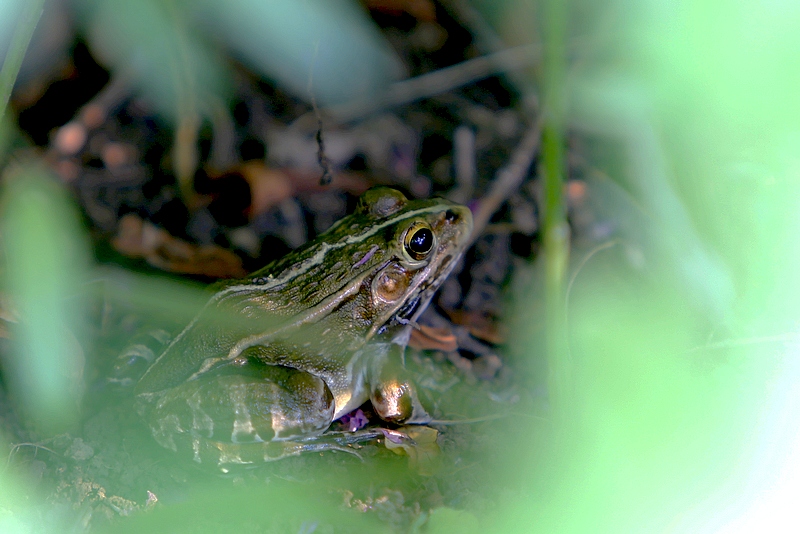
(444, 520)
(45, 257)
(154, 46)
(23, 17)
(682, 327)
(330, 49)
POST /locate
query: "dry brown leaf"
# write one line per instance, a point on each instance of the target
(268, 187)
(140, 239)
(433, 338)
(480, 326)
(418, 443)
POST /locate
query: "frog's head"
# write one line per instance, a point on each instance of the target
(408, 248)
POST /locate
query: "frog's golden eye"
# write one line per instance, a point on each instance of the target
(419, 240)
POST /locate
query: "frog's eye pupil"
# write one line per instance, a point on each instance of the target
(419, 242)
(422, 240)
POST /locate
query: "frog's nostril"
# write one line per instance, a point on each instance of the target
(450, 216)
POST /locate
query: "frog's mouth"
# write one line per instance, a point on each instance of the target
(408, 310)
(415, 306)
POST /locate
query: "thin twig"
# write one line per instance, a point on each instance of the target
(323, 160)
(466, 72)
(579, 268)
(17, 446)
(441, 81)
(465, 165)
(16, 50)
(488, 41)
(508, 178)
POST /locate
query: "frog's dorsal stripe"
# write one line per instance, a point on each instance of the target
(319, 256)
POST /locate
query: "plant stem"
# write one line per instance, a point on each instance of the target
(16, 50)
(555, 228)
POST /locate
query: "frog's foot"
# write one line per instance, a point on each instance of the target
(222, 454)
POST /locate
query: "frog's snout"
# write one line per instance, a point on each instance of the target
(457, 215)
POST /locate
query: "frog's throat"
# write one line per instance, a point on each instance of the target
(426, 294)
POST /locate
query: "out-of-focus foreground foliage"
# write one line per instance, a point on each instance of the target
(682, 343)
(678, 412)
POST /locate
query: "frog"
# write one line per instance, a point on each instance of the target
(272, 360)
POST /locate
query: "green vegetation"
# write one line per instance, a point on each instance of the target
(672, 348)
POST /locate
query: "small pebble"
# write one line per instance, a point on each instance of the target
(79, 450)
(70, 138)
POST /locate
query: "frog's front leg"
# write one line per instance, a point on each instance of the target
(392, 390)
(223, 418)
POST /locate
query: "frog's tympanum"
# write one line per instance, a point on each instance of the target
(272, 360)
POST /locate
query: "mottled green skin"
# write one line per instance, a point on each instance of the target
(299, 343)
